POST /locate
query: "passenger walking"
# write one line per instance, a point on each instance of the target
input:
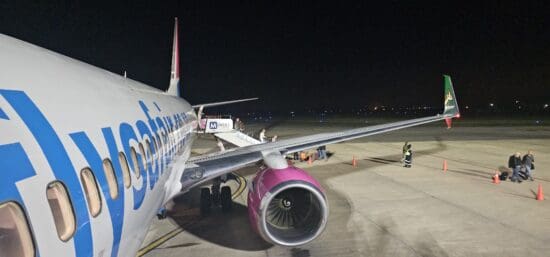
(239, 125)
(529, 164)
(514, 163)
(220, 146)
(408, 156)
(262, 136)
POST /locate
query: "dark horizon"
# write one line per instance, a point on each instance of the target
(298, 56)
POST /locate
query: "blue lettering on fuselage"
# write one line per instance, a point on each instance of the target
(116, 206)
(59, 161)
(3, 115)
(16, 166)
(153, 173)
(15, 161)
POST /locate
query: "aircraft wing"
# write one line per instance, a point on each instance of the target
(205, 167)
(223, 103)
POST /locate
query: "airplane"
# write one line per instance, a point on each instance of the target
(88, 158)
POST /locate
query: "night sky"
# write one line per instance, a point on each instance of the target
(297, 55)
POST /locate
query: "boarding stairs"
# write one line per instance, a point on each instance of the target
(237, 138)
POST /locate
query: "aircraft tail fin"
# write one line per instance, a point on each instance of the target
(174, 88)
(451, 105)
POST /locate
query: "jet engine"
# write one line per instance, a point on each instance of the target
(287, 206)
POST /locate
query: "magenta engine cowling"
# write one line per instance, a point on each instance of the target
(287, 206)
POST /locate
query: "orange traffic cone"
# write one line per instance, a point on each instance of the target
(540, 194)
(444, 165)
(354, 162)
(496, 178)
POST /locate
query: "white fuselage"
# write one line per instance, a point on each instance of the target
(59, 116)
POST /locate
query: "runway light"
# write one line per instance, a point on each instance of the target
(545, 106)
(491, 104)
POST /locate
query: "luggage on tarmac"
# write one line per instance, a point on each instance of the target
(503, 176)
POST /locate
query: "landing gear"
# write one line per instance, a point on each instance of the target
(205, 202)
(216, 192)
(225, 199)
(215, 197)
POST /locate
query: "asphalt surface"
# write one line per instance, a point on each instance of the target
(382, 209)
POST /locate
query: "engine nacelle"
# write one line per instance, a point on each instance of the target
(287, 206)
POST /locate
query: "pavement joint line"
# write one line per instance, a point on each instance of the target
(157, 242)
(242, 186)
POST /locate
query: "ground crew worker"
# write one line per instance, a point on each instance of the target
(408, 156)
(274, 138)
(404, 151)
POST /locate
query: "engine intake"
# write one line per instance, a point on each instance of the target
(287, 206)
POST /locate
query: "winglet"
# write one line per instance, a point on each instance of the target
(174, 88)
(451, 105)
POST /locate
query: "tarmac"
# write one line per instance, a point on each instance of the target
(380, 208)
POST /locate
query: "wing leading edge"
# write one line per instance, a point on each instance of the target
(205, 167)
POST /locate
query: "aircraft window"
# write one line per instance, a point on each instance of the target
(159, 147)
(111, 178)
(91, 190)
(143, 156)
(163, 139)
(159, 142)
(62, 210)
(148, 151)
(155, 145)
(135, 163)
(16, 237)
(125, 169)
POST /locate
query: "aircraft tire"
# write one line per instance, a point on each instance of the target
(205, 201)
(216, 194)
(226, 201)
